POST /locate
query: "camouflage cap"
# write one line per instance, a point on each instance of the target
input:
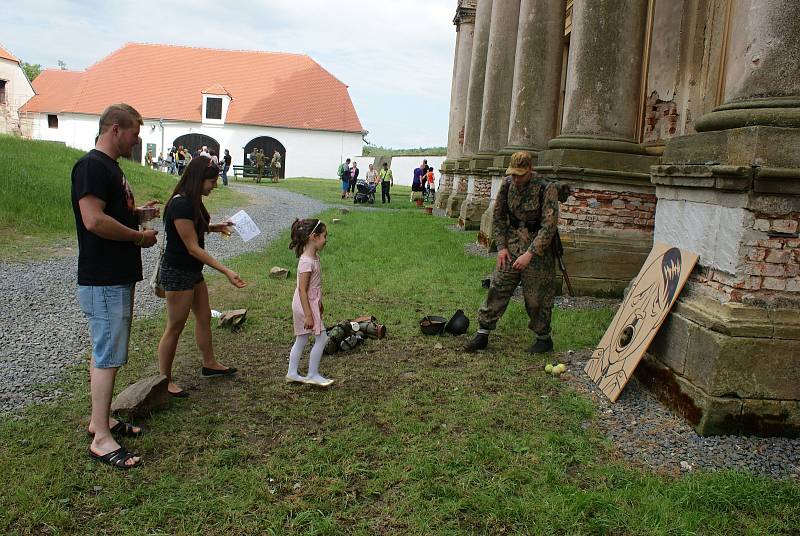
(520, 163)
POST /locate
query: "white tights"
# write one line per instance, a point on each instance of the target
(313, 359)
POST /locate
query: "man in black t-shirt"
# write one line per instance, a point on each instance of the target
(109, 266)
(226, 165)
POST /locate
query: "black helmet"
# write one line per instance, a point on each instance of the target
(458, 324)
(432, 325)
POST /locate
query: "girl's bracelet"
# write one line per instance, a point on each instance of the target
(139, 241)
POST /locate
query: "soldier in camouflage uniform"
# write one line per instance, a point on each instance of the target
(523, 231)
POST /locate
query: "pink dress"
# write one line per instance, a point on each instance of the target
(308, 264)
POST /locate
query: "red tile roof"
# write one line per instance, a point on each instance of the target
(54, 91)
(215, 89)
(267, 88)
(6, 55)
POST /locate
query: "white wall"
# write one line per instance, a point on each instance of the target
(18, 90)
(402, 166)
(309, 153)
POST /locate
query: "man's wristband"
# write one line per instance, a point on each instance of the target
(139, 241)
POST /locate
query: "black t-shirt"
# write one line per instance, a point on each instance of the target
(227, 160)
(103, 262)
(175, 253)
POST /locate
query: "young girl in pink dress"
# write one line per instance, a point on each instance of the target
(308, 238)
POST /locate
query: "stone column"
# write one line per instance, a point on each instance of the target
(450, 203)
(495, 110)
(607, 224)
(762, 64)
(604, 76)
(465, 28)
(535, 90)
(537, 74)
(477, 74)
(496, 107)
(728, 356)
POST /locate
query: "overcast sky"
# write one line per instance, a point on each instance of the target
(396, 55)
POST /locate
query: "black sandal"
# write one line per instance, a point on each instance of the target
(116, 458)
(123, 429)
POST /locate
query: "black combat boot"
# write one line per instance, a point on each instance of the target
(541, 346)
(479, 342)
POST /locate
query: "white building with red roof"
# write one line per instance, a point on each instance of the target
(15, 90)
(224, 99)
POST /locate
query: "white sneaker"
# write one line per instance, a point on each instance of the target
(319, 381)
(295, 378)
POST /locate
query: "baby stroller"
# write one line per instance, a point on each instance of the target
(365, 193)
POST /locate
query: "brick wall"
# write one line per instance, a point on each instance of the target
(482, 187)
(608, 210)
(769, 268)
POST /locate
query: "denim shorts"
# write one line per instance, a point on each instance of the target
(109, 310)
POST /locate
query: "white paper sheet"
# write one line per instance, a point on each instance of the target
(245, 226)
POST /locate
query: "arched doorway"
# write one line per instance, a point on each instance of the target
(268, 145)
(194, 142)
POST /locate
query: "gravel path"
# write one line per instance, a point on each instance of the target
(646, 434)
(42, 330)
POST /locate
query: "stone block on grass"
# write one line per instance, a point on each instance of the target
(276, 272)
(142, 398)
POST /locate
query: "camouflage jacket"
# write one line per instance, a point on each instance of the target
(523, 205)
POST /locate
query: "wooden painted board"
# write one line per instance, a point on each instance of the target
(636, 323)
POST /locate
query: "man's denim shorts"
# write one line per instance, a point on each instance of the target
(109, 310)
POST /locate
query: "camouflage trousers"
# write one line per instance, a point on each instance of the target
(538, 288)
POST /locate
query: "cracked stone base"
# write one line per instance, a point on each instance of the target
(728, 368)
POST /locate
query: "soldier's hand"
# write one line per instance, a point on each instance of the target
(503, 259)
(522, 261)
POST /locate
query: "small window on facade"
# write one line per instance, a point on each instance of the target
(52, 121)
(213, 108)
(2, 91)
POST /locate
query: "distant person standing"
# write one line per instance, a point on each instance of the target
(226, 165)
(387, 181)
(275, 166)
(371, 176)
(109, 266)
(260, 164)
(180, 158)
(417, 182)
(344, 176)
(353, 177)
(430, 184)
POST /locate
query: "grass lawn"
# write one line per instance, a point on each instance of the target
(415, 437)
(330, 191)
(36, 217)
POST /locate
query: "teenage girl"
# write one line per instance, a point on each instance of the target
(308, 239)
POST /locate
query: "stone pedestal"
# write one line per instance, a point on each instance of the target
(728, 358)
(728, 368)
(486, 232)
(607, 223)
(477, 200)
(443, 193)
(457, 196)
